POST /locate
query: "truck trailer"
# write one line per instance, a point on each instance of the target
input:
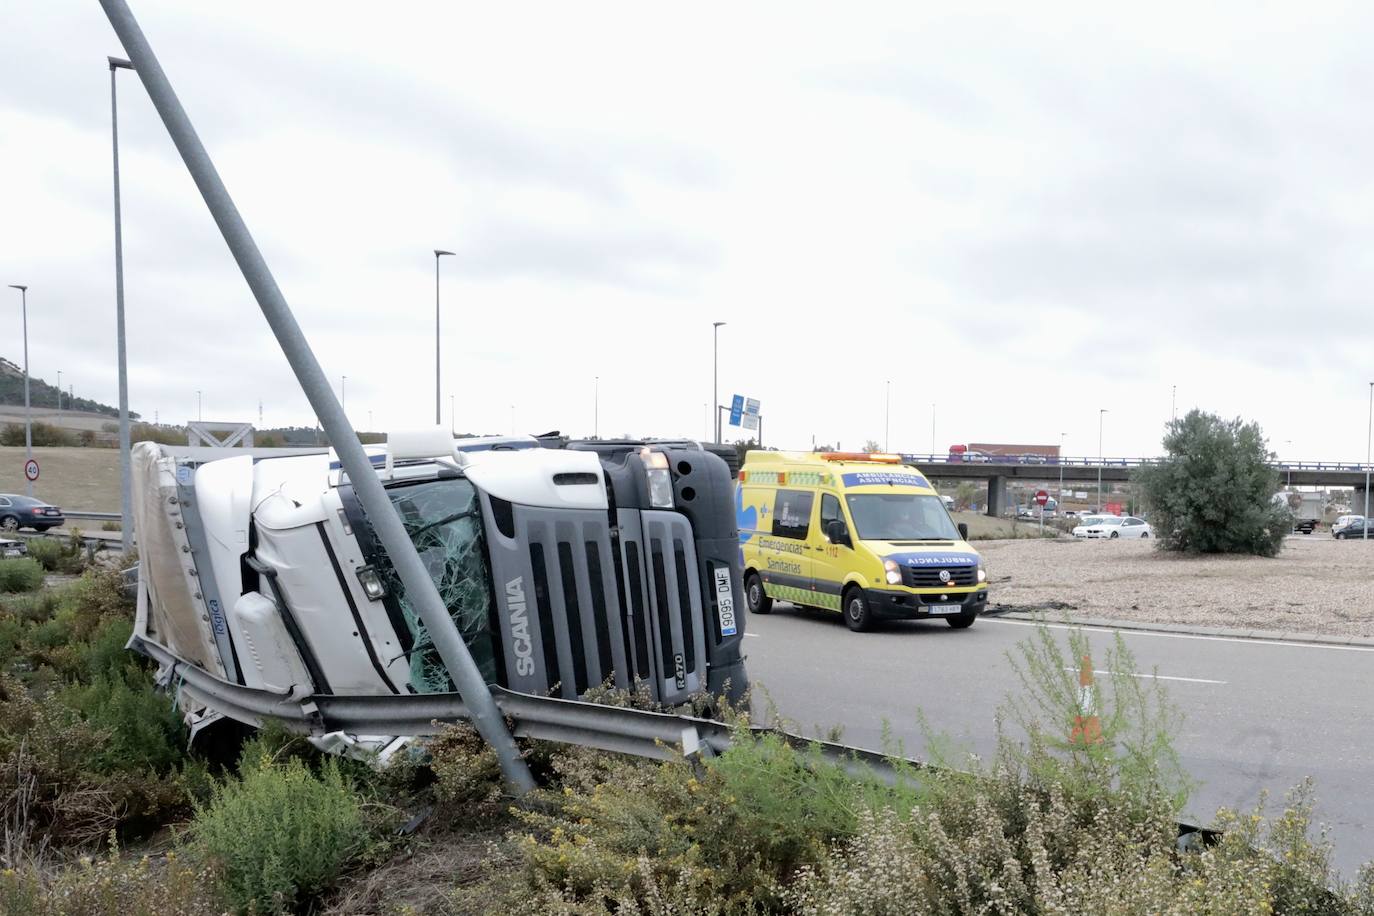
(564, 565)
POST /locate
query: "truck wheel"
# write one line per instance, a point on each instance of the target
(755, 596)
(963, 620)
(857, 616)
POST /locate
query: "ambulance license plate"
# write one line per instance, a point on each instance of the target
(942, 608)
(725, 602)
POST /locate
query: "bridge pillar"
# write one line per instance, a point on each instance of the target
(1357, 500)
(997, 495)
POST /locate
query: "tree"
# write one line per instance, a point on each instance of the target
(1213, 492)
(964, 494)
(871, 445)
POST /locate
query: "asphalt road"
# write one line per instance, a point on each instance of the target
(1258, 714)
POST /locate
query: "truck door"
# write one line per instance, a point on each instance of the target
(831, 562)
(785, 554)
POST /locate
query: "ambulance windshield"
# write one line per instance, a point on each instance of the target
(900, 517)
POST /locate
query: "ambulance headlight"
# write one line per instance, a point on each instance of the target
(982, 572)
(894, 572)
(660, 478)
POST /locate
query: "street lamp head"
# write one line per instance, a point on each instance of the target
(119, 63)
(716, 324)
(439, 252)
(23, 288)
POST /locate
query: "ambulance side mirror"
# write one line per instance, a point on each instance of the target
(838, 532)
(963, 530)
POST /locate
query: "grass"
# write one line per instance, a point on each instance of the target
(72, 477)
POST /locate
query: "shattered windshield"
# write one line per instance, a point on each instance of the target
(444, 521)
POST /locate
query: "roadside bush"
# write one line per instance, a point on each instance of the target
(67, 557)
(44, 435)
(1213, 491)
(20, 575)
(279, 836)
(99, 886)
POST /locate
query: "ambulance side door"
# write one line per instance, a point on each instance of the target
(785, 554)
(832, 560)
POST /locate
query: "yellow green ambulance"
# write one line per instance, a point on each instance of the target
(856, 533)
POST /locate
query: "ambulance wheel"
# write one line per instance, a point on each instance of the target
(963, 620)
(857, 615)
(757, 598)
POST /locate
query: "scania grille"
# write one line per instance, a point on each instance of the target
(929, 576)
(573, 608)
(663, 588)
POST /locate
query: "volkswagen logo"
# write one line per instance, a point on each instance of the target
(944, 575)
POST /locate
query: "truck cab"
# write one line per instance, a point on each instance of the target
(564, 565)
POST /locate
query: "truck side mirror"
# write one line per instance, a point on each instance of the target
(838, 532)
(963, 530)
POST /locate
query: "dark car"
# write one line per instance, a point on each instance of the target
(26, 512)
(1354, 530)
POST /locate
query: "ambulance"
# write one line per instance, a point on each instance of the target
(855, 533)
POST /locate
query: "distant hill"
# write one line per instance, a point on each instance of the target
(41, 394)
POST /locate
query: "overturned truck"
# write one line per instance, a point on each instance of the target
(564, 565)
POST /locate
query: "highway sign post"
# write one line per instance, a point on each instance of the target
(30, 470)
(1042, 497)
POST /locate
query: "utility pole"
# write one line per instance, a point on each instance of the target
(596, 406)
(715, 372)
(1101, 414)
(59, 397)
(1368, 438)
(126, 464)
(438, 253)
(28, 417)
(1061, 473)
(932, 430)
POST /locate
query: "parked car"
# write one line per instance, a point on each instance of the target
(1354, 530)
(11, 549)
(1114, 526)
(1343, 522)
(26, 512)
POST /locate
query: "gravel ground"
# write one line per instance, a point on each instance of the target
(1315, 585)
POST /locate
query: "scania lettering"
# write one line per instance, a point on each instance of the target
(855, 533)
(564, 565)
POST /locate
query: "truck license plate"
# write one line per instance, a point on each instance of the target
(725, 601)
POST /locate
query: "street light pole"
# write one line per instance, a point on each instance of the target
(932, 430)
(28, 420)
(596, 407)
(1173, 404)
(438, 253)
(1368, 438)
(59, 397)
(126, 473)
(343, 393)
(1101, 414)
(887, 417)
(1061, 472)
(1288, 461)
(715, 372)
(200, 413)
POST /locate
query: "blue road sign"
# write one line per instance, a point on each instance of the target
(736, 409)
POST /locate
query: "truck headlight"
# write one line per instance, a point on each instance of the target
(660, 478)
(371, 583)
(894, 572)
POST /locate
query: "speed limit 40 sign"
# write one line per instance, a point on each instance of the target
(31, 470)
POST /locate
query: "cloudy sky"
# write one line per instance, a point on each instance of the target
(1018, 216)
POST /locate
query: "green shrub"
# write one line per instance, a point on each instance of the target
(145, 730)
(277, 837)
(108, 884)
(21, 575)
(59, 556)
(1213, 491)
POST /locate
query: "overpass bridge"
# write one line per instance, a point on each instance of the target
(997, 470)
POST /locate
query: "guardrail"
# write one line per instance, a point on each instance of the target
(653, 735)
(96, 516)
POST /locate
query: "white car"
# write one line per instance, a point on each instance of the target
(1085, 522)
(1113, 526)
(13, 549)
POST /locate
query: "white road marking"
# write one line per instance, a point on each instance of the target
(1157, 677)
(1126, 631)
